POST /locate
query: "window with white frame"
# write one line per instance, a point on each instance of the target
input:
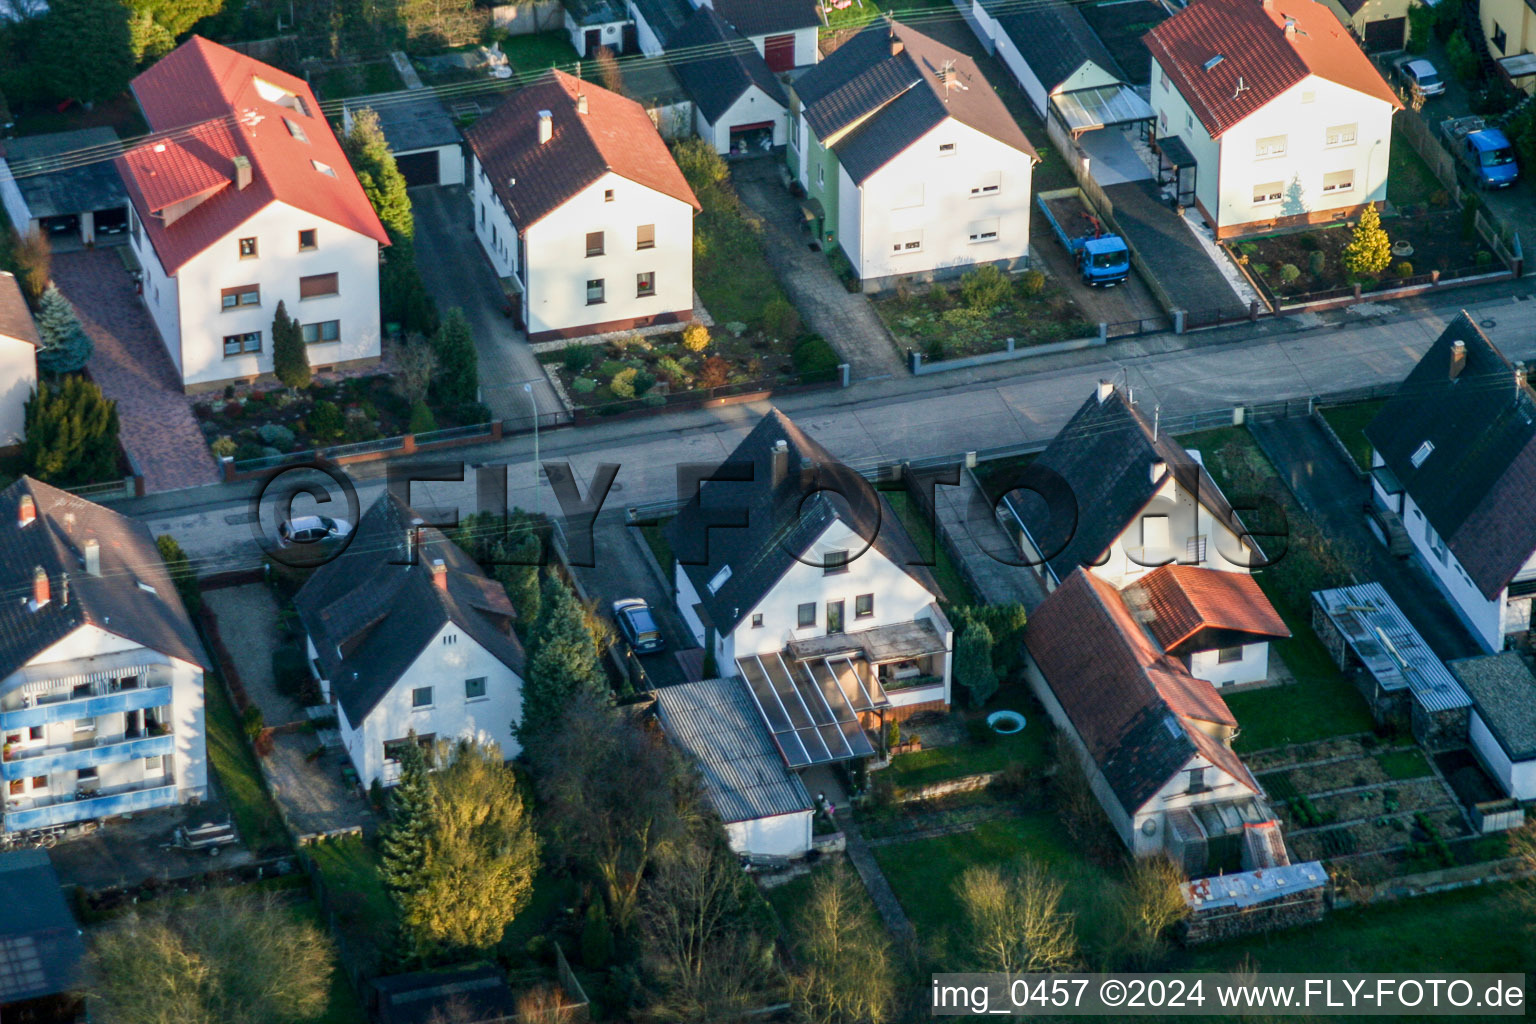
(1194, 549)
(907, 242)
(154, 765)
(1339, 181)
(1269, 146)
(1269, 192)
(987, 185)
(983, 230)
(946, 149)
(1341, 135)
(1436, 542)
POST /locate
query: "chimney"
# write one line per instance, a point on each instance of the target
(546, 126)
(1290, 28)
(1159, 467)
(896, 45)
(1106, 389)
(26, 510)
(1268, 5)
(39, 588)
(410, 545)
(581, 103)
(92, 556)
(242, 172)
(1519, 377)
(780, 461)
(1458, 358)
(439, 574)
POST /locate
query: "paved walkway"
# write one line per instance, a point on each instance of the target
(1329, 490)
(133, 368)
(844, 318)
(983, 548)
(823, 780)
(1171, 251)
(252, 612)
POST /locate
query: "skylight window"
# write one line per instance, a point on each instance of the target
(1208, 65)
(1422, 454)
(326, 169)
(282, 97)
(295, 129)
(719, 580)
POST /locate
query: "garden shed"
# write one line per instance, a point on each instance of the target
(1502, 729)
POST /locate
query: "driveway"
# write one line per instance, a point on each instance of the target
(457, 273)
(844, 318)
(129, 851)
(251, 645)
(134, 369)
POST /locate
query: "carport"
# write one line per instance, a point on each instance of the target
(64, 186)
(420, 132)
(1087, 115)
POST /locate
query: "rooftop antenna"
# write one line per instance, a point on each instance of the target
(1157, 412)
(1241, 88)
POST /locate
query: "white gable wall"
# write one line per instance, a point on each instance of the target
(18, 379)
(1252, 667)
(1175, 117)
(751, 107)
(1184, 518)
(444, 667)
(498, 238)
(159, 290)
(1485, 618)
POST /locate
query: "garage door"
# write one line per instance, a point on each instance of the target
(1386, 34)
(779, 52)
(419, 168)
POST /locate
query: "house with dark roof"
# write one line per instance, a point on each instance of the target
(762, 802)
(582, 211)
(1218, 624)
(1115, 495)
(101, 672)
(240, 199)
(40, 944)
(407, 637)
(1154, 739)
(1453, 464)
(794, 572)
(909, 160)
(18, 360)
(79, 203)
(1273, 110)
(782, 31)
(1502, 725)
(426, 143)
(739, 105)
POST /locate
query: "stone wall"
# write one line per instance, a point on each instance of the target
(1307, 907)
(1440, 730)
(947, 787)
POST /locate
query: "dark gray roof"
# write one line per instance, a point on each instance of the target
(723, 66)
(15, 318)
(715, 723)
(370, 612)
(410, 121)
(422, 997)
(780, 521)
(895, 99)
(94, 185)
(664, 17)
(766, 17)
(1504, 692)
(1478, 482)
(1053, 38)
(40, 945)
(596, 12)
(132, 597)
(1105, 455)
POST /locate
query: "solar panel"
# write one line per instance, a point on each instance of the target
(809, 707)
(21, 968)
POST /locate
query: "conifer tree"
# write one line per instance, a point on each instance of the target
(379, 175)
(71, 433)
(65, 345)
(1369, 250)
(458, 364)
(562, 662)
(403, 844)
(290, 359)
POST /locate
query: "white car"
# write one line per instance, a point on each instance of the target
(1422, 76)
(312, 530)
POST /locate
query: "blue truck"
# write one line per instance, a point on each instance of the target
(1484, 151)
(1102, 258)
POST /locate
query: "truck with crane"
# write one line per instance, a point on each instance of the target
(1103, 259)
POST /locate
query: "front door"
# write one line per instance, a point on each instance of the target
(594, 42)
(834, 616)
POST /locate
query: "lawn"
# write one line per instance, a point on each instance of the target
(858, 13)
(1322, 703)
(936, 764)
(532, 54)
(1349, 422)
(956, 590)
(350, 868)
(240, 778)
(658, 544)
(359, 80)
(1409, 179)
(343, 1006)
(1408, 763)
(937, 321)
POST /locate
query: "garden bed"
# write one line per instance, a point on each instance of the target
(1294, 266)
(943, 321)
(264, 423)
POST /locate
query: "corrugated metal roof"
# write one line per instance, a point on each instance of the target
(1392, 651)
(1249, 888)
(40, 946)
(714, 722)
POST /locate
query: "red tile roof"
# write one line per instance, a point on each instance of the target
(1175, 602)
(615, 134)
(1258, 54)
(15, 317)
(210, 104)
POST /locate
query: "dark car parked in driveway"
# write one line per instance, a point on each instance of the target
(638, 627)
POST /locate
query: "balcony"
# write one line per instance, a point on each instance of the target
(63, 810)
(84, 754)
(141, 698)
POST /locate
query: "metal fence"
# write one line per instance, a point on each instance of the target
(1195, 319)
(1135, 328)
(109, 490)
(343, 452)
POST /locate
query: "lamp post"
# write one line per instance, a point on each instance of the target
(534, 405)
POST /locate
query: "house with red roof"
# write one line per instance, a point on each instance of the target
(242, 198)
(1274, 110)
(582, 211)
(19, 341)
(1155, 740)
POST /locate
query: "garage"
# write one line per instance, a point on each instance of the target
(779, 52)
(421, 134)
(419, 168)
(747, 139)
(76, 205)
(1386, 34)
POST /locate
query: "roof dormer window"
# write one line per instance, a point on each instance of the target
(295, 129)
(1210, 64)
(1423, 453)
(324, 168)
(282, 97)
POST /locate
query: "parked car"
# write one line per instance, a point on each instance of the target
(312, 530)
(1483, 150)
(639, 628)
(1421, 76)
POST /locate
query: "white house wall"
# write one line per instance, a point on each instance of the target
(157, 288)
(10, 195)
(1175, 117)
(783, 835)
(444, 667)
(649, 42)
(498, 238)
(1252, 667)
(1185, 518)
(946, 211)
(18, 379)
(1484, 617)
(450, 164)
(1518, 778)
(277, 268)
(751, 107)
(806, 51)
(558, 267)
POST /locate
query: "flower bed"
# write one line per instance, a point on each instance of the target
(943, 322)
(257, 424)
(1293, 266)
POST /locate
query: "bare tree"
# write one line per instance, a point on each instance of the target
(415, 362)
(848, 973)
(609, 72)
(34, 263)
(1014, 919)
(1151, 903)
(542, 1005)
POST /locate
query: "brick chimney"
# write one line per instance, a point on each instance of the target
(1106, 389)
(546, 126)
(26, 510)
(40, 593)
(1458, 358)
(242, 175)
(439, 574)
(92, 552)
(581, 103)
